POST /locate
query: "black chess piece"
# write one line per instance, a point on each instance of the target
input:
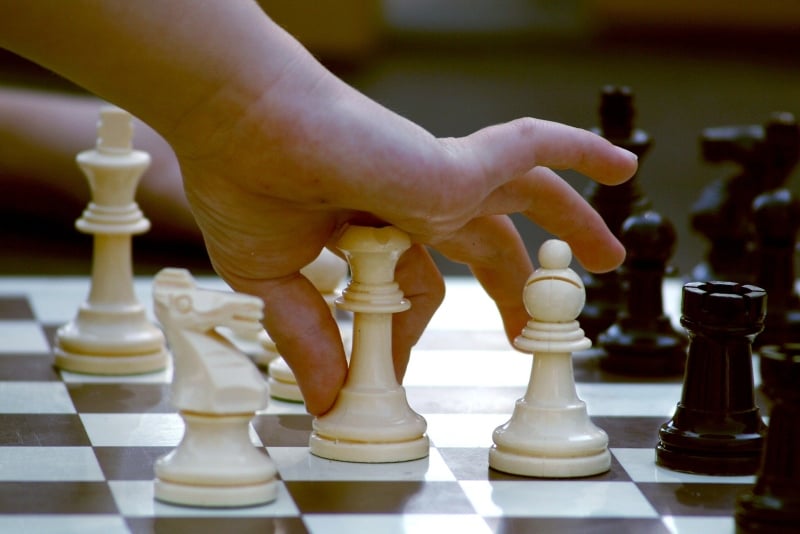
(766, 155)
(717, 428)
(773, 504)
(776, 216)
(642, 341)
(614, 204)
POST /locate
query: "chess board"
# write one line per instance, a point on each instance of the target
(77, 452)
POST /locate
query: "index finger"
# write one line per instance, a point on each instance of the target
(300, 323)
(508, 150)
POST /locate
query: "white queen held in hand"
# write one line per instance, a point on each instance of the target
(371, 421)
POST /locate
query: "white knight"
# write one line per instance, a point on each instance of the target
(217, 390)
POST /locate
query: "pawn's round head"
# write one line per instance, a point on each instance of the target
(554, 293)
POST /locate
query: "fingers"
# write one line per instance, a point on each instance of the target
(516, 158)
(422, 284)
(572, 219)
(497, 256)
(549, 201)
(300, 323)
(511, 149)
(306, 335)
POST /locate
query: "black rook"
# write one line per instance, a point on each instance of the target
(717, 428)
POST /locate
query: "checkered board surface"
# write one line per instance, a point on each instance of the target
(77, 452)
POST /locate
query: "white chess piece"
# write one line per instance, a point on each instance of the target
(371, 420)
(257, 345)
(111, 334)
(550, 433)
(217, 390)
(325, 273)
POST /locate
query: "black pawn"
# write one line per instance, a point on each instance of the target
(776, 215)
(766, 155)
(642, 341)
(717, 427)
(773, 504)
(614, 204)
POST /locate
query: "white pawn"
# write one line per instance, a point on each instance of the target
(111, 334)
(371, 420)
(217, 390)
(325, 273)
(550, 433)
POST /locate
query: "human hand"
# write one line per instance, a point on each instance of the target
(279, 156)
(283, 183)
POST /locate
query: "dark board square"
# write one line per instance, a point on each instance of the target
(699, 499)
(56, 498)
(121, 398)
(42, 430)
(217, 525)
(589, 525)
(28, 368)
(288, 430)
(631, 432)
(129, 463)
(379, 497)
(15, 308)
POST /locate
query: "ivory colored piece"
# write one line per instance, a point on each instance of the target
(550, 433)
(257, 345)
(282, 383)
(326, 273)
(217, 390)
(111, 334)
(371, 420)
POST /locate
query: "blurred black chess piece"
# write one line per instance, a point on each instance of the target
(773, 503)
(614, 204)
(766, 155)
(642, 340)
(775, 361)
(717, 427)
(776, 217)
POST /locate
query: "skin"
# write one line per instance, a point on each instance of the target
(40, 134)
(278, 157)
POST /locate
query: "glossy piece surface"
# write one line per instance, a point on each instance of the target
(717, 428)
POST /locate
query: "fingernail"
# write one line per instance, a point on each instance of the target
(628, 153)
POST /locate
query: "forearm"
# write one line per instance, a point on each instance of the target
(158, 59)
(212, 75)
(40, 135)
(41, 132)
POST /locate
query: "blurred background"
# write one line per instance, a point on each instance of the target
(457, 66)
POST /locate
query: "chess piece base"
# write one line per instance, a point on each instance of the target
(215, 496)
(761, 513)
(284, 391)
(549, 467)
(282, 384)
(111, 364)
(106, 341)
(550, 442)
(370, 426)
(216, 465)
(743, 458)
(369, 452)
